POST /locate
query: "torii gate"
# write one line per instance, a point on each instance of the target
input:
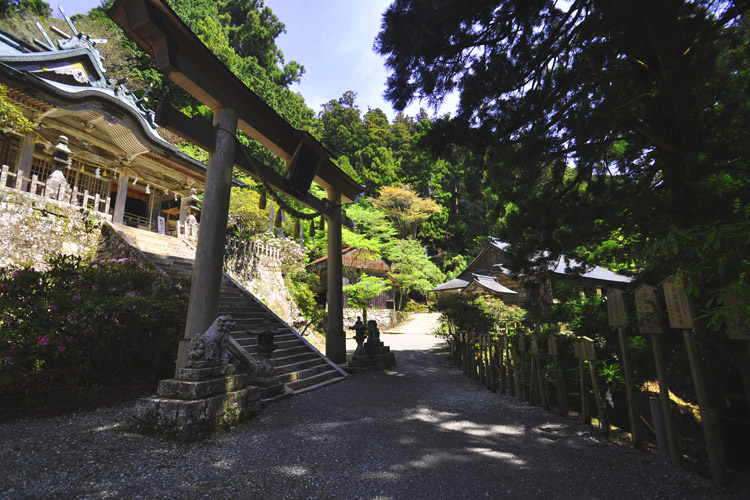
(180, 55)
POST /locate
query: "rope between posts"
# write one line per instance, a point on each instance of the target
(743, 422)
(277, 198)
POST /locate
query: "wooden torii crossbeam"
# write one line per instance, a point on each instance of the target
(180, 55)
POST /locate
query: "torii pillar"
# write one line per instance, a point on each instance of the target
(335, 335)
(203, 307)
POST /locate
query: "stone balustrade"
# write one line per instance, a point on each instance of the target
(55, 188)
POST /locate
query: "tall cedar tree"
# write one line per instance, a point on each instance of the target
(645, 99)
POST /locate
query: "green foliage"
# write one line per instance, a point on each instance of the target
(246, 218)
(10, 116)
(367, 287)
(404, 208)
(412, 268)
(372, 223)
(476, 313)
(585, 315)
(303, 289)
(95, 320)
(653, 125)
(33, 7)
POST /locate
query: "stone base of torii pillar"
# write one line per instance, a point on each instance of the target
(204, 397)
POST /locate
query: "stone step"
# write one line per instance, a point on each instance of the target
(294, 358)
(244, 315)
(315, 379)
(251, 310)
(283, 345)
(298, 375)
(250, 338)
(300, 365)
(278, 330)
(319, 384)
(290, 351)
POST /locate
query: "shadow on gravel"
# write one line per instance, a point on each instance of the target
(423, 431)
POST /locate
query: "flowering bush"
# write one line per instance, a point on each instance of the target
(92, 319)
(293, 256)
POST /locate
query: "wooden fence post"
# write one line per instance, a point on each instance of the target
(617, 316)
(482, 365)
(516, 385)
(562, 397)
(503, 348)
(525, 393)
(649, 322)
(465, 349)
(474, 362)
(585, 410)
(680, 312)
(540, 373)
(494, 363)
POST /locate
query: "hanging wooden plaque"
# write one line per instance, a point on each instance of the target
(616, 307)
(649, 314)
(583, 348)
(504, 340)
(534, 346)
(552, 345)
(738, 322)
(678, 307)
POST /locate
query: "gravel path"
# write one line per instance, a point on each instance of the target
(424, 431)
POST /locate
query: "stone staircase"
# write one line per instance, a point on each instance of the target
(299, 366)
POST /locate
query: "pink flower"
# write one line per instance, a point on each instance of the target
(61, 348)
(69, 339)
(53, 307)
(76, 297)
(44, 341)
(95, 266)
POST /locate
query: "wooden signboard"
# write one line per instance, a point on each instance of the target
(616, 307)
(649, 314)
(738, 322)
(584, 348)
(678, 307)
(552, 345)
(534, 346)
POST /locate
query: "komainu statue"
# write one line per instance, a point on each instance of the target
(210, 347)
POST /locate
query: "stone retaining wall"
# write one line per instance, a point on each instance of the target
(261, 276)
(34, 229)
(386, 318)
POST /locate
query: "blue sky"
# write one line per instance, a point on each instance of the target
(333, 40)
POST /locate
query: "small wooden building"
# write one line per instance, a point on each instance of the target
(490, 273)
(358, 261)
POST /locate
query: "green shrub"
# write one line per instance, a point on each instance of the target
(476, 313)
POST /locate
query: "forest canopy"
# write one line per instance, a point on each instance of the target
(614, 131)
